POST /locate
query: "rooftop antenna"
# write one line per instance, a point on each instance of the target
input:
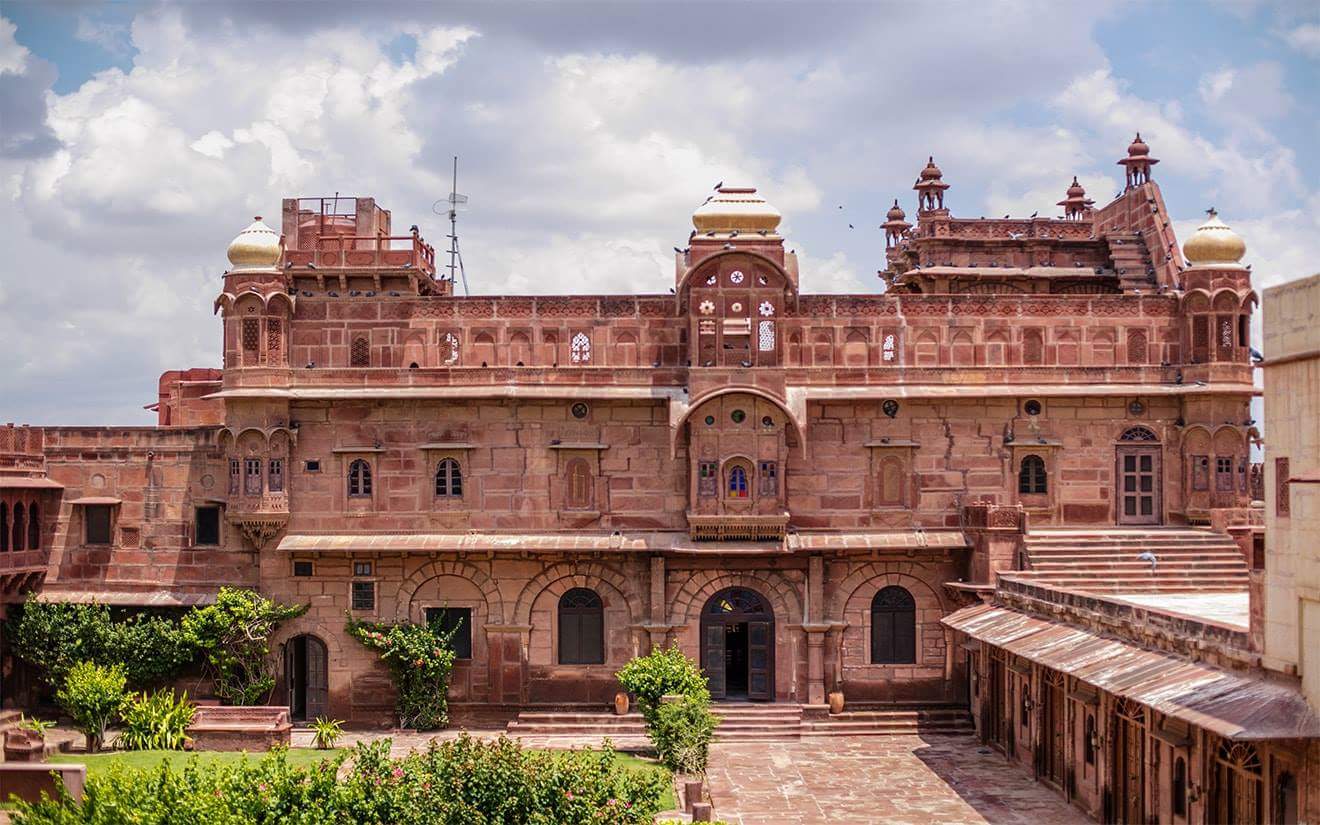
(456, 201)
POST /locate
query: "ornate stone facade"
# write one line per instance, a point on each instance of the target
(377, 445)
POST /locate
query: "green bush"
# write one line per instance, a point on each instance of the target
(664, 671)
(234, 636)
(93, 696)
(460, 782)
(682, 732)
(420, 659)
(156, 722)
(55, 636)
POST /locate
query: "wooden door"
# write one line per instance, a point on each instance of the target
(318, 678)
(994, 701)
(1139, 485)
(1129, 773)
(292, 683)
(1055, 732)
(713, 657)
(760, 650)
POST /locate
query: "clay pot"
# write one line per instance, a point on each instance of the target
(620, 703)
(836, 702)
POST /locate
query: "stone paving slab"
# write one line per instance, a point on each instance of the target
(878, 779)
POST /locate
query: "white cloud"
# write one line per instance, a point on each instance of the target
(1305, 38)
(13, 55)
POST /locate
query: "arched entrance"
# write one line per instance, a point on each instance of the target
(1140, 499)
(306, 675)
(738, 645)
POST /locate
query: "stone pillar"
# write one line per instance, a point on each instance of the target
(507, 648)
(815, 629)
(657, 626)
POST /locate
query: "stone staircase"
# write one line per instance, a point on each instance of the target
(1105, 560)
(895, 720)
(757, 721)
(742, 722)
(1131, 259)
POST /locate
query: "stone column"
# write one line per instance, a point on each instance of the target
(657, 626)
(815, 629)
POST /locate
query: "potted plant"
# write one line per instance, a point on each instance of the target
(836, 700)
(326, 732)
(621, 703)
(27, 742)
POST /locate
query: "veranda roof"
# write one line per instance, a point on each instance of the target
(1232, 705)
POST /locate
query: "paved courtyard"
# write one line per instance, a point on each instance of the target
(877, 779)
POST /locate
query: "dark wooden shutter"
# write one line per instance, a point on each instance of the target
(713, 661)
(581, 628)
(760, 646)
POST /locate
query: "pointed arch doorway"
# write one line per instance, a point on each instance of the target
(306, 675)
(738, 645)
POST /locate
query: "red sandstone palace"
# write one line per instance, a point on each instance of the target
(795, 488)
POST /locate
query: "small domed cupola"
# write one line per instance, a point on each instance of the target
(1138, 162)
(930, 188)
(736, 209)
(895, 224)
(1214, 244)
(1076, 204)
(255, 248)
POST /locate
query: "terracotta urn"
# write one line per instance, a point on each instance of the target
(620, 703)
(836, 701)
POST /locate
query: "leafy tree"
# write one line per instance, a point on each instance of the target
(234, 636)
(93, 695)
(681, 730)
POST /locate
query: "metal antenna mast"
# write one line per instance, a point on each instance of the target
(455, 202)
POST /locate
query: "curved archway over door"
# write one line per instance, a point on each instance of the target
(307, 677)
(738, 645)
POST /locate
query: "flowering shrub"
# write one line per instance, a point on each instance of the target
(662, 672)
(420, 659)
(458, 782)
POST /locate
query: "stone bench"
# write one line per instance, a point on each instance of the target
(28, 780)
(254, 728)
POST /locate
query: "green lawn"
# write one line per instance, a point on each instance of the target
(99, 762)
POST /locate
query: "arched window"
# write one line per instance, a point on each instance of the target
(251, 340)
(34, 527)
(448, 479)
(579, 349)
(448, 349)
(893, 627)
(1031, 478)
(4, 527)
(359, 479)
(887, 349)
(581, 628)
(1180, 787)
(738, 482)
(360, 352)
(18, 531)
(578, 486)
(1137, 434)
(1136, 346)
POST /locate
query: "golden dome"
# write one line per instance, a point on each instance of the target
(1214, 244)
(257, 247)
(736, 208)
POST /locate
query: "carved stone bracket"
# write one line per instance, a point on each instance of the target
(259, 529)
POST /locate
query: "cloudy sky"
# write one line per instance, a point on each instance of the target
(137, 138)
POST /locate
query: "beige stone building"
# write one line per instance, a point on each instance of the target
(1292, 475)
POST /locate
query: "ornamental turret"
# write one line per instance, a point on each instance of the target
(1076, 205)
(1138, 162)
(930, 188)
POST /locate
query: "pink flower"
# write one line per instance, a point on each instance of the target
(569, 794)
(398, 773)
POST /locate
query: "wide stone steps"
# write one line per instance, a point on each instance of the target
(742, 722)
(1106, 560)
(891, 723)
